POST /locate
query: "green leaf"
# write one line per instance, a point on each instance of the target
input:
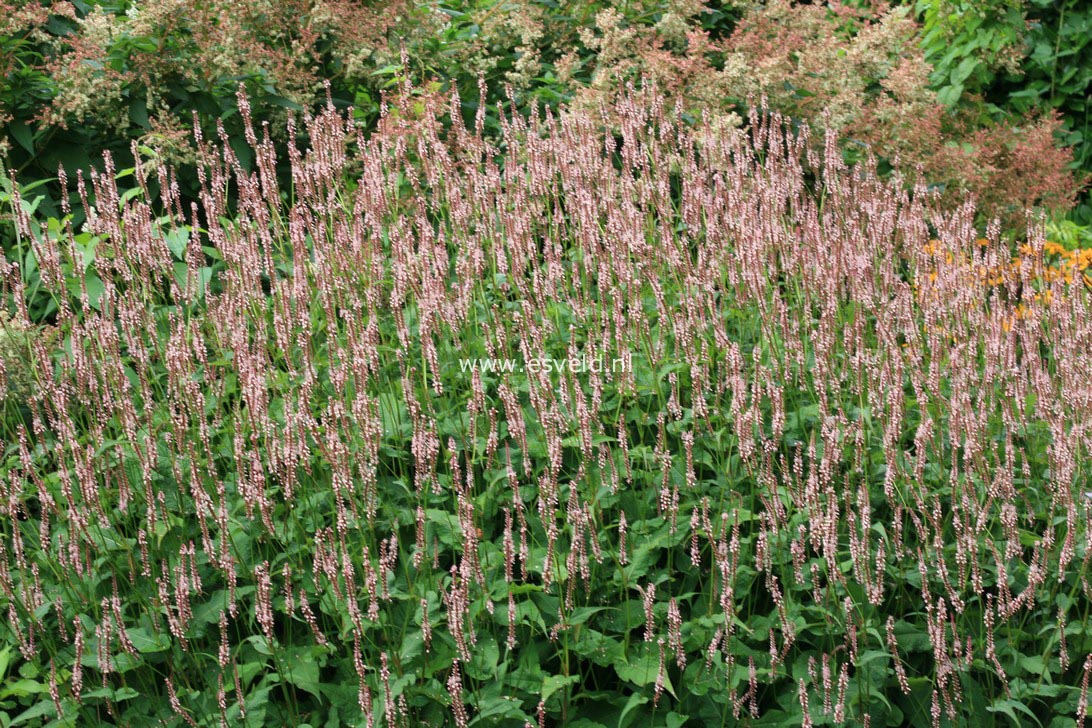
(949, 95)
(580, 615)
(5, 661)
(1035, 665)
(598, 647)
(674, 720)
(557, 682)
(44, 707)
(22, 134)
(146, 642)
(208, 612)
(302, 670)
(778, 718)
(23, 688)
(138, 113)
(1009, 708)
(125, 693)
(446, 525)
(261, 644)
(117, 696)
(177, 239)
(871, 656)
(95, 289)
(635, 700)
(284, 103)
(492, 710)
(912, 638)
(644, 671)
(483, 664)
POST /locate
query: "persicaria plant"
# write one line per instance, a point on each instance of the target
(245, 480)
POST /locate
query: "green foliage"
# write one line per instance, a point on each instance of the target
(970, 43)
(1058, 73)
(1069, 234)
(1015, 57)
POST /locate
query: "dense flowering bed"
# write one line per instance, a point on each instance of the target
(247, 481)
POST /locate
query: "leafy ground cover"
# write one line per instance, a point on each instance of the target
(817, 454)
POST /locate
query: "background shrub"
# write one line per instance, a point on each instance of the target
(1004, 57)
(87, 77)
(947, 98)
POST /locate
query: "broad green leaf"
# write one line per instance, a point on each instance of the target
(23, 688)
(5, 661)
(177, 240)
(302, 671)
(557, 682)
(492, 711)
(674, 720)
(635, 701)
(145, 641)
(644, 671)
(39, 709)
(22, 134)
(1009, 708)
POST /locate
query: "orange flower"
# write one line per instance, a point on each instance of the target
(1053, 248)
